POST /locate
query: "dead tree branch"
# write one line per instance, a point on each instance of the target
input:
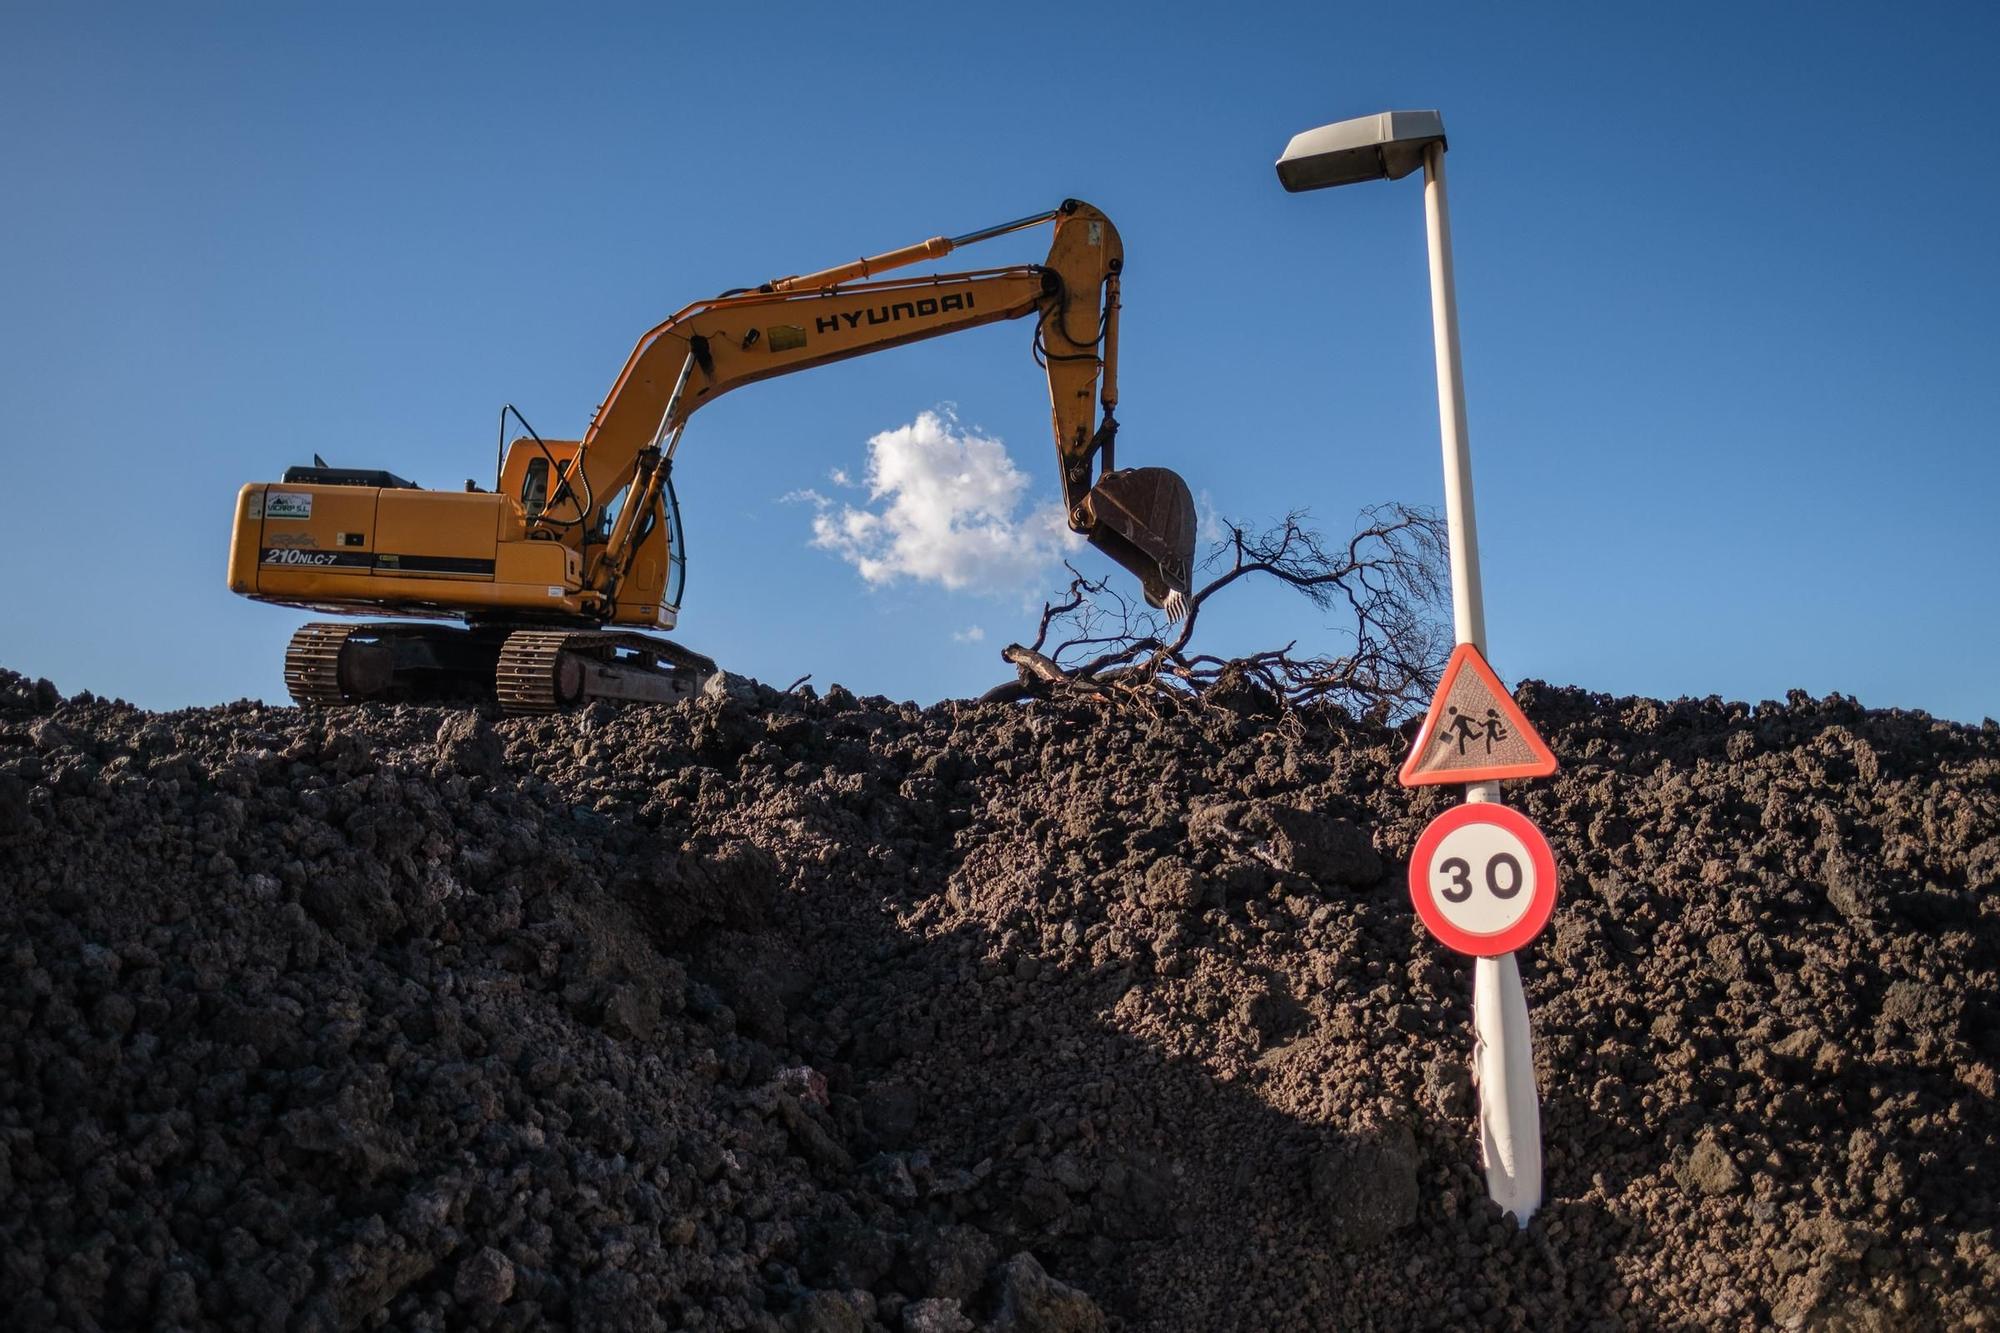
(1386, 587)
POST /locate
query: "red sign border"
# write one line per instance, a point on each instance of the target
(1545, 759)
(1540, 909)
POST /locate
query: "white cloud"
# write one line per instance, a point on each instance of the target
(946, 506)
(970, 634)
(1210, 526)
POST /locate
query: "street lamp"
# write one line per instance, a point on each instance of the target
(1389, 146)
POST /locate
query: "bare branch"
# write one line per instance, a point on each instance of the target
(1386, 584)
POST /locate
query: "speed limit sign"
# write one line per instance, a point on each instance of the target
(1483, 879)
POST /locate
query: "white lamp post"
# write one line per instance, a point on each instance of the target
(1390, 146)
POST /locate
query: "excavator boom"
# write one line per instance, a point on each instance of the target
(1144, 519)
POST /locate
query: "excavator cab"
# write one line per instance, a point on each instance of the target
(555, 499)
(536, 474)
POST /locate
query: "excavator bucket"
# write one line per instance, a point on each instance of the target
(1143, 518)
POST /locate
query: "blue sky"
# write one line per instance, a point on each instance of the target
(1726, 276)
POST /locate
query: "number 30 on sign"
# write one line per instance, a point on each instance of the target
(1483, 879)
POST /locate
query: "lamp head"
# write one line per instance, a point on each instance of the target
(1386, 146)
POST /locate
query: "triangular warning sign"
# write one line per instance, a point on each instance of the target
(1475, 731)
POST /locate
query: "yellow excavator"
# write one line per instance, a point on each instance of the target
(579, 543)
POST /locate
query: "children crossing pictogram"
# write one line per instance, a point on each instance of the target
(1475, 732)
(1464, 730)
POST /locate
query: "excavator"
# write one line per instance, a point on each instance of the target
(533, 593)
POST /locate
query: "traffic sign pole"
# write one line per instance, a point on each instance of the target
(1503, 1059)
(1503, 1070)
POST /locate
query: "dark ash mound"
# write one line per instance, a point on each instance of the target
(837, 1015)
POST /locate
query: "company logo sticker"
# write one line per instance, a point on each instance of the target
(292, 555)
(895, 313)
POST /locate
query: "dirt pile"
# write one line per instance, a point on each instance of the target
(828, 1014)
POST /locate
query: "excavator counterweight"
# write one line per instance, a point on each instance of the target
(579, 543)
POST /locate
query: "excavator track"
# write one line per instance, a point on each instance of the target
(528, 671)
(529, 678)
(547, 671)
(312, 664)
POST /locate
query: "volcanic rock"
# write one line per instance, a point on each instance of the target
(771, 1012)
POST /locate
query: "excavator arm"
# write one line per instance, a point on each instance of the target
(1142, 518)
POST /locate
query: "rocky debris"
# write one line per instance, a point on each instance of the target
(935, 1314)
(21, 696)
(1286, 838)
(948, 1262)
(467, 743)
(1367, 1188)
(1709, 1170)
(781, 1012)
(1031, 1301)
(487, 1278)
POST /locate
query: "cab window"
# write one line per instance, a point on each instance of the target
(535, 487)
